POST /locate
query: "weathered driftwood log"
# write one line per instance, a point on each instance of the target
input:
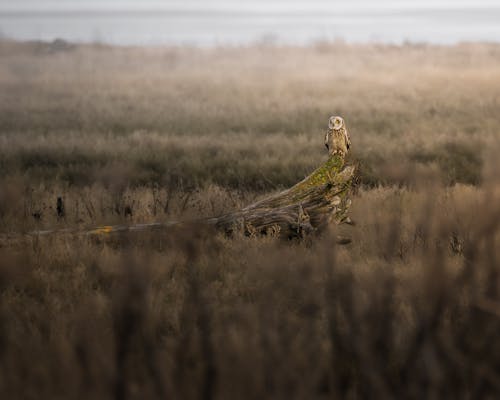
(321, 198)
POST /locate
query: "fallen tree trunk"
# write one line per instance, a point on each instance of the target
(305, 208)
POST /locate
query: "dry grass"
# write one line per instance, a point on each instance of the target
(410, 309)
(193, 115)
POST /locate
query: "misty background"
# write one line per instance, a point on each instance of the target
(215, 22)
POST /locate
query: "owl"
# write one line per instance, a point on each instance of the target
(337, 139)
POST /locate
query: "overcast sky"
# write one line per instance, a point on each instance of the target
(209, 22)
(240, 4)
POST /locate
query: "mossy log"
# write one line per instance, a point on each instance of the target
(307, 207)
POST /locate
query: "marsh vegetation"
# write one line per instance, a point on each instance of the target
(409, 309)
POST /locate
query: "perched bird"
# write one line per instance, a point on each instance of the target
(337, 139)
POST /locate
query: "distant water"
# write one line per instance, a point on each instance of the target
(217, 22)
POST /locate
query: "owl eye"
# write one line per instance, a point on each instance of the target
(331, 122)
(337, 123)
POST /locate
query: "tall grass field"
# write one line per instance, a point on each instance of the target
(129, 135)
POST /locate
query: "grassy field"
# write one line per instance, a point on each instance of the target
(409, 309)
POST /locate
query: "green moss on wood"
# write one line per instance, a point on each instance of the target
(308, 206)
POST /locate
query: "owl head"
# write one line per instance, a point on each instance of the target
(337, 139)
